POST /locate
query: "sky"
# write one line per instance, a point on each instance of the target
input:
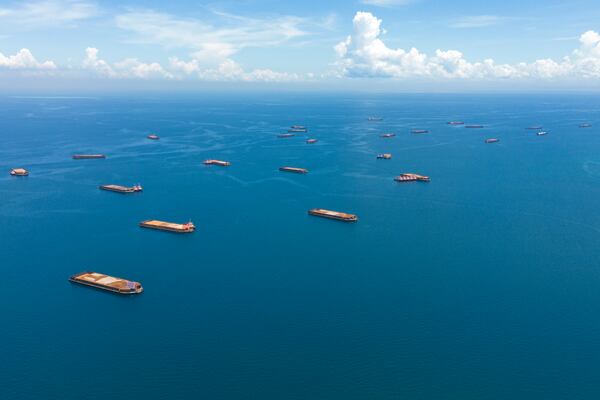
(365, 44)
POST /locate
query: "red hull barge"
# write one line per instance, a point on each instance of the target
(19, 172)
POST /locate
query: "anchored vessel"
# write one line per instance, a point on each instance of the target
(419, 131)
(541, 133)
(293, 169)
(19, 172)
(285, 135)
(153, 137)
(411, 178)
(106, 282)
(217, 162)
(473, 126)
(311, 141)
(585, 125)
(492, 140)
(388, 135)
(297, 128)
(455, 123)
(87, 156)
(534, 128)
(340, 216)
(168, 226)
(122, 189)
(384, 156)
(375, 119)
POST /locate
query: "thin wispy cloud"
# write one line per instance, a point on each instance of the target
(21, 16)
(476, 21)
(386, 3)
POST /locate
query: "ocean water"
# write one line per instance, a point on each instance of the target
(482, 284)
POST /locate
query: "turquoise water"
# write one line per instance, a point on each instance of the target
(482, 284)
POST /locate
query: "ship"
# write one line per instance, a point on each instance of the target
(387, 135)
(473, 126)
(311, 141)
(168, 226)
(534, 128)
(455, 123)
(293, 169)
(153, 137)
(88, 156)
(286, 135)
(297, 128)
(384, 156)
(19, 172)
(373, 119)
(340, 216)
(419, 131)
(122, 189)
(585, 125)
(217, 162)
(492, 140)
(541, 133)
(410, 177)
(106, 282)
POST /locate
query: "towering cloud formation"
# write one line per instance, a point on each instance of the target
(364, 54)
(24, 60)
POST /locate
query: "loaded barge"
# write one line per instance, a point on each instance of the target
(585, 125)
(168, 226)
(88, 156)
(297, 128)
(106, 282)
(293, 169)
(19, 172)
(122, 189)
(217, 162)
(492, 140)
(340, 216)
(411, 178)
(455, 123)
(419, 131)
(372, 119)
(388, 135)
(286, 135)
(473, 126)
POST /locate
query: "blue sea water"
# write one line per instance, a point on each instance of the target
(482, 284)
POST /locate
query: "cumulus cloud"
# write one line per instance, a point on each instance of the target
(128, 68)
(364, 54)
(24, 60)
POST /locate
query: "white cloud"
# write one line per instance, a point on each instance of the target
(128, 68)
(46, 13)
(476, 21)
(207, 43)
(386, 3)
(24, 60)
(364, 54)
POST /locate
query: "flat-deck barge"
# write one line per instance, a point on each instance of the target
(122, 189)
(286, 135)
(456, 123)
(388, 135)
(153, 137)
(217, 162)
(311, 141)
(473, 126)
(419, 131)
(340, 216)
(88, 156)
(492, 140)
(297, 128)
(106, 282)
(19, 172)
(294, 169)
(585, 125)
(168, 226)
(409, 177)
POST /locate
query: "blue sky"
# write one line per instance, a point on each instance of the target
(409, 44)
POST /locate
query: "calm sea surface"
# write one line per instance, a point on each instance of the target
(482, 284)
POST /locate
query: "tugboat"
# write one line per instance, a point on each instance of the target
(122, 189)
(153, 137)
(387, 135)
(19, 172)
(217, 162)
(311, 141)
(384, 156)
(492, 140)
(419, 131)
(409, 177)
(286, 135)
(340, 216)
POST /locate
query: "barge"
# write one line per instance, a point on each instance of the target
(388, 135)
(19, 172)
(286, 135)
(311, 141)
(585, 125)
(217, 162)
(106, 282)
(340, 216)
(534, 128)
(373, 119)
(122, 189)
(88, 156)
(294, 169)
(419, 131)
(492, 140)
(473, 126)
(384, 156)
(455, 123)
(409, 177)
(168, 226)
(153, 137)
(297, 128)
(541, 133)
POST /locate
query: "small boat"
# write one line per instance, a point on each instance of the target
(286, 135)
(373, 119)
(188, 227)
(384, 156)
(217, 162)
(492, 140)
(387, 135)
(19, 172)
(534, 128)
(340, 216)
(455, 123)
(419, 131)
(541, 133)
(297, 128)
(473, 126)
(409, 177)
(122, 189)
(585, 125)
(88, 156)
(106, 282)
(311, 141)
(294, 169)
(153, 137)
